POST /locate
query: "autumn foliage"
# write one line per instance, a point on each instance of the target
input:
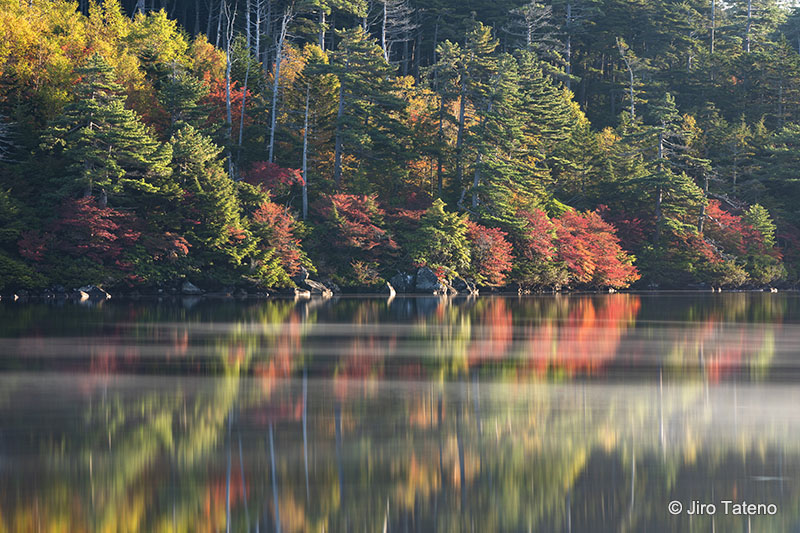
(491, 254)
(275, 226)
(592, 252)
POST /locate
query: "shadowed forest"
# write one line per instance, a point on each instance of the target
(571, 144)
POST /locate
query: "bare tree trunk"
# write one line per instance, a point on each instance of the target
(259, 15)
(305, 178)
(713, 23)
(244, 98)
(337, 158)
(322, 29)
(223, 8)
(210, 18)
(660, 194)
(568, 51)
(460, 134)
(139, 7)
(749, 24)
(383, 32)
(476, 181)
(439, 172)
(248, 7)
(287, 16)
(623, 53)
(229, 33)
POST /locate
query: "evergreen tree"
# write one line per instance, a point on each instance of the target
(210, 209)
(107, 147)
(367, 120)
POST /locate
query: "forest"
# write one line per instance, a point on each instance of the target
(565, 144)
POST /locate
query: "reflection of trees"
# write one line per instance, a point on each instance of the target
(450, 456)
(468, 443)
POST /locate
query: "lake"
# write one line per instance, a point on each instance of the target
(540, 413)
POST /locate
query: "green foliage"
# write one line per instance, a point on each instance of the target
(441, 240)
(15, 274)
(758, 217)
(106, 146)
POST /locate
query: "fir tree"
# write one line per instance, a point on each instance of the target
(107, 147)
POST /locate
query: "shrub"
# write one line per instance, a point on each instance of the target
(351, 233)
(591, 251)
(490, 253)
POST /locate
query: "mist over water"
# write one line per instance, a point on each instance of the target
(543, 413)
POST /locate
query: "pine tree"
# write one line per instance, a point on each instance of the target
(108, 149)
(367, 121)
(210, 209)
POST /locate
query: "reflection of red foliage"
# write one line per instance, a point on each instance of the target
(276, 228)
(589, 337)
(491, 252)
(591, 251)
(497, 333)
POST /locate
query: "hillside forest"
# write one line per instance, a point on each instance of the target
(565, 144)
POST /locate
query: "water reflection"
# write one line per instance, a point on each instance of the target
(575, 413)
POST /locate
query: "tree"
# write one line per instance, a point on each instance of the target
(367, 118)
(491, 256)
(107, 147)
(592, 253)
(209, 209)
(441, 241)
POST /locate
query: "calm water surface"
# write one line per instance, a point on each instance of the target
(553, 413)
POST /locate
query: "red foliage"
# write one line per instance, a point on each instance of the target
(539, 240)
(84, 229)
(277, 231)
(272, 176)
(591, 250)
(730, 231)
(491, 253)
(632, 231)
(102, 234)
(353, 217)
(215, 100)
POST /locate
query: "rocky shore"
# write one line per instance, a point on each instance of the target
(422, 281)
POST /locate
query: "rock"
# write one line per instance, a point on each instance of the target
(80, 296)
(316, 288)
(389, 290)
(190, 289)
(428, 282)
(402, 282)
(302, 294)
(331, 285)
(241, 293)
(95, 293)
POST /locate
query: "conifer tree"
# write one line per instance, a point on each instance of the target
(367, 120)
(108, 149)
